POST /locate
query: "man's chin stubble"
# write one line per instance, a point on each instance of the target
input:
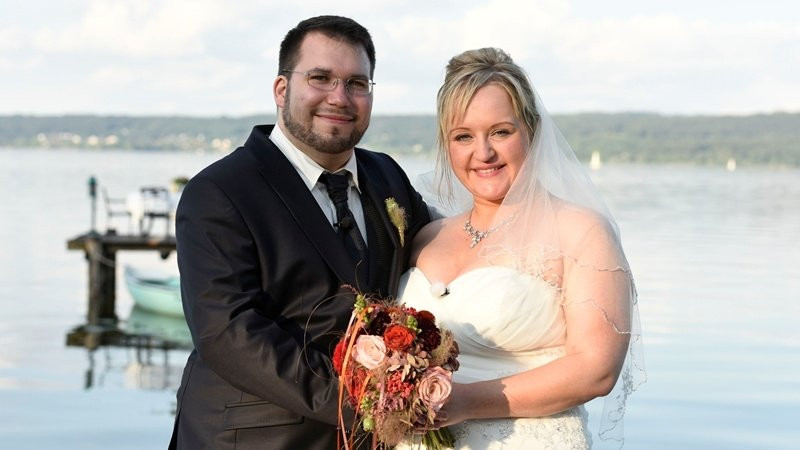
(331, 145)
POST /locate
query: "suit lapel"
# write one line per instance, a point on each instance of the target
(287, 184)
(377, 188)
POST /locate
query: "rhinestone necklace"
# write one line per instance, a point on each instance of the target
(478, 235)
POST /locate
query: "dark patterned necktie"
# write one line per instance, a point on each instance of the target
(346, 227)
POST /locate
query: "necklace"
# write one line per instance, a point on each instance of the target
(478, 235)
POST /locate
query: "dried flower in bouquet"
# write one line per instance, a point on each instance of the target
(395, 369)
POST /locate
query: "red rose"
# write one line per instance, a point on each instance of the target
(426, 315)
(398, 337)
(338, 356)
(429, 334)
(430, 338)
(378, 324)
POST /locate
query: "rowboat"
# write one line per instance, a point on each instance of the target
(155, 292)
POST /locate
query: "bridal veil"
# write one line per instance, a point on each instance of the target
(554, 224)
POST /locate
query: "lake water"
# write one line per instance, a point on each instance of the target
(716, 256)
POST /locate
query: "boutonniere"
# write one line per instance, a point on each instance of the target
(398, 217)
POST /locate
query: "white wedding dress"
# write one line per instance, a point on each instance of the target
(505, 322)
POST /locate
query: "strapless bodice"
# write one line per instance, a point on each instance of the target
(504, 321)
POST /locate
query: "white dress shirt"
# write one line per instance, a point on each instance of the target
(310, 171)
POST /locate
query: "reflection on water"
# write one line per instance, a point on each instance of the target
(148, 341)
(171, 329)
(145, 373)
(140, 368)
(152, 367)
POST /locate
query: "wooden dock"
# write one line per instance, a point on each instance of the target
(101, 317)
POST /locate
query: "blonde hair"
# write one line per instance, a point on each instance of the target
(465, 74)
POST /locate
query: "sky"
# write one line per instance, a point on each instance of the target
(219, 57)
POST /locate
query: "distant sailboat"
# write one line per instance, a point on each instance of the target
(731, 165)
(595, 162)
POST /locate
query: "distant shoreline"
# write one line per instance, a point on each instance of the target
(759, 139)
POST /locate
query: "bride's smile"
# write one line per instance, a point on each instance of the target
(488, 172)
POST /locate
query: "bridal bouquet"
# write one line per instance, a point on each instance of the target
(395, 368)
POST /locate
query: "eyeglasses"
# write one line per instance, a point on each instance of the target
(324, 81)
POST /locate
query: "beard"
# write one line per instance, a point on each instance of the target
(334, 143)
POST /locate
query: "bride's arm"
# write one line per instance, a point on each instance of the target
(598, 291)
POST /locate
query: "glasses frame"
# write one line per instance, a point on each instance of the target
(336, 81)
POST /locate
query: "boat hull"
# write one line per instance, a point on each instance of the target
(160, 295)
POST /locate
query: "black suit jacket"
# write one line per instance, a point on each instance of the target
(262, 272)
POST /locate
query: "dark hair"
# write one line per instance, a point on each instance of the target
(334, 27)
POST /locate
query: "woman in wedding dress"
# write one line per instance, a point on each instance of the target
(530, 276)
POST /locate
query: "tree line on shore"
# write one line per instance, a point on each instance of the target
(763, 139)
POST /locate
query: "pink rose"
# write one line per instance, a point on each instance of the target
(370, 351)
(434, 387)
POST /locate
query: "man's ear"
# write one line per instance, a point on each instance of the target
(279, 88)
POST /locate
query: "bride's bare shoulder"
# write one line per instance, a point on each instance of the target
(433, 234)
(576, 224)
(434, 230)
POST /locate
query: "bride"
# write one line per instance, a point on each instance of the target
(530, 276)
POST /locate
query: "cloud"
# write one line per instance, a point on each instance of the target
(114, 76)
(668, 42)
(580, 57)
(24, 64)
(760, 96)
(671, 63)
(641, 62)
(11, 38)
(172, 78)
(197, 76)
(517, 27)
(139, 28)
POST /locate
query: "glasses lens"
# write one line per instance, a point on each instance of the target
(361, 86)
(320, 80)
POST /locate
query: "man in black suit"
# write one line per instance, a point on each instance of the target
(266, 241)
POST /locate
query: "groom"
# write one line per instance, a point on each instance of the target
(268, 236)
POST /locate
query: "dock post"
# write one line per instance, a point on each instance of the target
(102, 282)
